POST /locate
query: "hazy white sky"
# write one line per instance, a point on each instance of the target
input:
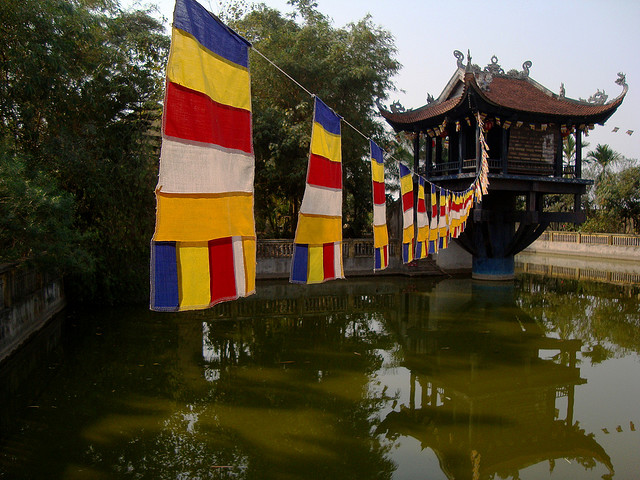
(582, 43)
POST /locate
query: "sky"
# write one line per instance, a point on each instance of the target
(581, 43)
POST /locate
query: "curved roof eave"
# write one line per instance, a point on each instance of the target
(523, 95)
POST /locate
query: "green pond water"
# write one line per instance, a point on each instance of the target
(383, 378)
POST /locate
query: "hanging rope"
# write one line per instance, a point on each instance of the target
(389, 155)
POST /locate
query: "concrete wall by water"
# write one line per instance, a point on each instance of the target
(28, 299)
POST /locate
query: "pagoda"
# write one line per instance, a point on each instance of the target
(524, 125)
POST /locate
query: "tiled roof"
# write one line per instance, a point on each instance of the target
(512, 93)
(524, 95)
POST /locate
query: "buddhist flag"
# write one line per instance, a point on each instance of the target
(433, 230)
(406, 190)
(422, 241)
(317, 255)
(380, 232)
(443, 228)
(204, 247)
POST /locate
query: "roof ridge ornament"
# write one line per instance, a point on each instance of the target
(494, 67)
(396, 107)
(622, 80)
(459, 58)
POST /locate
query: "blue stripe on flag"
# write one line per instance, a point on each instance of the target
(405, 253)
(300, 265)
(404, 171)
(325, 117)
(376, 152)
(210, 32)
(378, 259)
(165, 275)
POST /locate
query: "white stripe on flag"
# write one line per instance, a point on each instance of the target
(238, 265)
(322, 201)
(189, 167)
(407, 218)
(422, 219)
(337, 260)
(379, 214)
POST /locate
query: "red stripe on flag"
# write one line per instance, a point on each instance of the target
(324, 173)
(378, 193)
(328, 250)
(191, 115)
(407, 201)
(422, 206)
(221, 270)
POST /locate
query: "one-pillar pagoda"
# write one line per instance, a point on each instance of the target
(524, 125)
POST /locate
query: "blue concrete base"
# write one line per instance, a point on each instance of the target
(493, 268)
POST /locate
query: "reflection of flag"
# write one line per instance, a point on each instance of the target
(629, 132)
(615, 129)
(422, 248)
(204, 246)
(380, 232)
(433, 230)
(317, 255)
(406, 190)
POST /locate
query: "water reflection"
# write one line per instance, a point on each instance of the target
(382, 378)
(490, 393)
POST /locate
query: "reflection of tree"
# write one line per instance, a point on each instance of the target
(605, 317)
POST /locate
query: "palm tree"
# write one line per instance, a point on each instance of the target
(603, 156)
(569, 149)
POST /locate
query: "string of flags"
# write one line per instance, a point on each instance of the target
(616, 129)
(203, 250)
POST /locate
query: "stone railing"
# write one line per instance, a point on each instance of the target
(351, 248)
(28, 299)
(612, 239)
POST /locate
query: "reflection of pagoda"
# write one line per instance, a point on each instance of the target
(524, 124)
(482, 398)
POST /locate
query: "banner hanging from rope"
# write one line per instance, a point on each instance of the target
(204, 247)
(380, 232)
(317, 254)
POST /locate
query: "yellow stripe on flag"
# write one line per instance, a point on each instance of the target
(249, 249)
(407, 235)
(193, 66)
(325, 144)
(193, 275)
(197, 218)
(377, 171)
(317, 230)
(316, 266)
(380, 236)
(406, 184)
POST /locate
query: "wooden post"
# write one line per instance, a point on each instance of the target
(429, 155)
(559, 153)
(505, 150)
(478, 148)
(438, 151)
(578, 167)
(461, 149)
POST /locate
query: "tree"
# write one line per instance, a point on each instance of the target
(348, 68)
(619, 196)
(602, 157)
(81, 87)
